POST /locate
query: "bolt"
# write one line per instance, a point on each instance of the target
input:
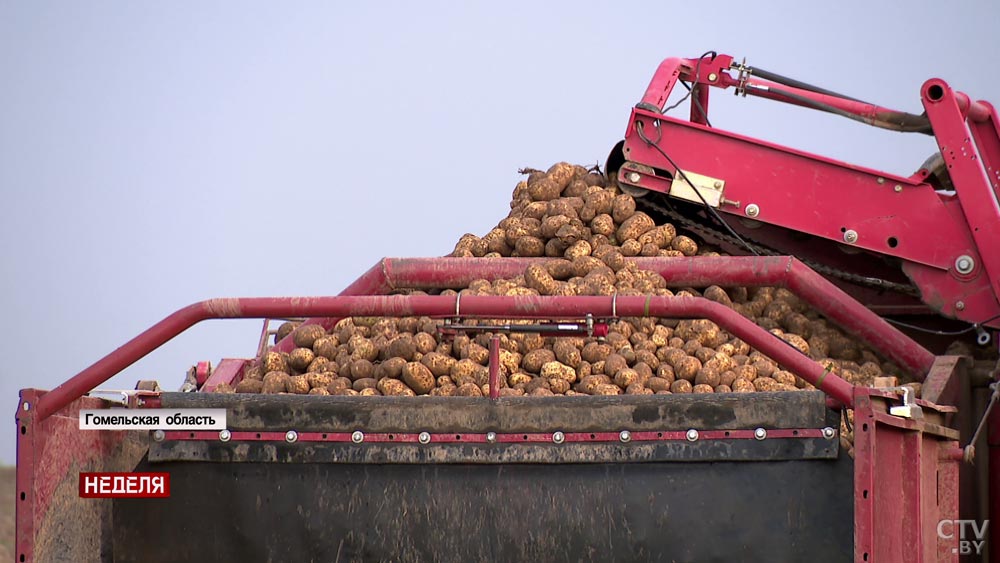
(624, 436)
(424, 438)
(960, 305)
(357, 436)
(159, 435)
(752, 210)
(829, 432)
(850, 236)
(717, 184)
(880, 180)
(712, 77)
(964, 264)
(634, 177)
(491, 437)
(692, 435)
(291, 436)
(558, 437)
(897, 188)
(225, 435)
(760, 433)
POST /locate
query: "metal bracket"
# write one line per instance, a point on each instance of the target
(909, 408)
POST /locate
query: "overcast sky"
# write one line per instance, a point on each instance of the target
(157, 154)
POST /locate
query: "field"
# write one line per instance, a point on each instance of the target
(7, 514)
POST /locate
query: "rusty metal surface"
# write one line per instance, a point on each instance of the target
(305, 413)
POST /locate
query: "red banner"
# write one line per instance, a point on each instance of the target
(124, 485)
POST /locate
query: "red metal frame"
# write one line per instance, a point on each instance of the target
(905, 482)
(529, 307)
(391, 274)
(892, 215)
(50, 453)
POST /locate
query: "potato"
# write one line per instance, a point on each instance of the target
(318, 379)
(630, 248)
(658, 384)
(626, 377)
(702, 388)
(464, 371)
(622, 207)
(439, 364)
(284, 330)
(533, 361)
(595, 351)
(567, 353)
(478, 354)
(684, 245)
(518, 378)
(318, 391)
(741, 385)
(391, 368)
(607, 389)
(635, 226)
(681, 386)
(418, 378)
(558, 370)
(559, 386)
(394, 388)
(305, 335)
(365, 383)
(529, 247)
(275, 382)
(708, 376)
(765, 384)
(273, 361)
(300, 358)
(538, 278)
(297, 384)
(687, 368)
(361, 369)
(603, 224)
(578, 249)
(446, 390)
(250, 386)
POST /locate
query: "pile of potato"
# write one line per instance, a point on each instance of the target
(588, 228)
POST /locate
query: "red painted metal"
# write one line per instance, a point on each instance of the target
(905, 218)
(229, 370)
(49, 453)
(201, 371)
(481, 438)
(755, 271)
(444, 306)
(905, 483)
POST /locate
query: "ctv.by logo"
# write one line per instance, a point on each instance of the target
(971, 535)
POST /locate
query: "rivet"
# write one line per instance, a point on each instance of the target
(712, 77)
(291, 436)
(897, 188)
(752, 210)
(424, 438)
(960, 305)
(491, 437)
(692, 435)
(558, 437)
(357, 436)
(829, 432)
(717, 184)
(880, 180)
(760, 433)
(159, 435)
(850, 236)
(624, 436)
(225, 435)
